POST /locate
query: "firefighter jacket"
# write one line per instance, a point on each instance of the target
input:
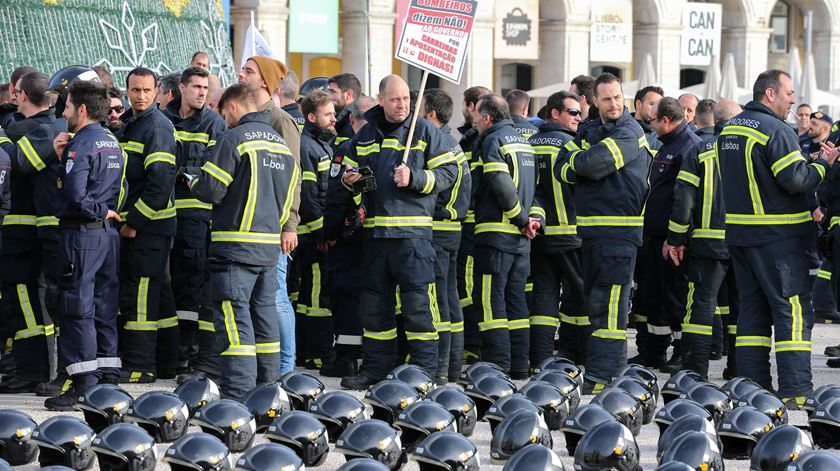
(192, 137)
(5, 186)
(554, 198)
(698, 215)
(249, 177)
(343, 129)
(392, 212)
(663, 174)
(148, 138)
(288, 129)
(469, 139)
(316, 152)
(341, 205)
(765, 179)
(453, 203)
(523, 126)
(504, 189)
(294, 111)
(650, 134)
(609, 164)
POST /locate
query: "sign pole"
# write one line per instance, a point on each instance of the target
(416, 113)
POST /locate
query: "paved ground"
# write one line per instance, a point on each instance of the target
(823, 335)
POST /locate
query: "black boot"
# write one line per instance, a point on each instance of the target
(340, 367)
(53, 388)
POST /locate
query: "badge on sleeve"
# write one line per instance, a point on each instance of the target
(69, 165)
(334, 169)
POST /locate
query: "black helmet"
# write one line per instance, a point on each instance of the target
(561, 364)
(64, 440)
(686, 423)
(711, 398)
(816, 460)
(610, 445)
(315, 83)
(516, 432)
(16, 430)
(821, 394)
(413, 376)
(643, 374)
(696, 449)
(674, 466)
(125, 447)
(638, 389)
(373, 439)
(582, 420)
(303, 433)
(420, 420)
(458, 404)
(198, 451)
(336, 409)
(550, 399)
(269, 457)
(478, 370)
(679, 383)
(741, 430)
(302, 388)
(508, 405)
(60, 82)
(196, 392)
(163, 414)
(534, 458)
(228, 420)
(266, 402)
(739, 386)
(825, 424)
(564, 382)
(623, 406)
(362, 464)
(103, 405)
(486, 390)
(678, 408)
(779, 447)
(448, 451)
(388, 397)
(768, 404)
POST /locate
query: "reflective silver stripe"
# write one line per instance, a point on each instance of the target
(109, 362)
(82, 367)
(349, 340)
(677, 334)
(187, 315)
(659, 330)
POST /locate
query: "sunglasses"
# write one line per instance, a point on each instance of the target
(117, 109)
(572, 111)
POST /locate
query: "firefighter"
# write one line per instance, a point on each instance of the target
(518, 101)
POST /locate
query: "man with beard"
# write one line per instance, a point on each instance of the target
(644, 104)
(89, 245)
(345, 89)
(115, 110)
(196, 129)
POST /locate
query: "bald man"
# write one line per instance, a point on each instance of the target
(397, 230)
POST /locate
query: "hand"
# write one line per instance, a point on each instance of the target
(60, 144)
(829, 152)
(818, 215)
(128, 232)
(530, 230)
(402, 176)
(674, 253)
(350, 176)
(323, 247)
(113, 215)
(288, 241)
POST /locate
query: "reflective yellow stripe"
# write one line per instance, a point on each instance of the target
(517, 324)
(698, 329)
(689, 178)
(796, 323)
(19, 220)
(251, 200)
(192, 136)
(708, 234)
(763, 219)
(192, 204)
(491, 325)
(287, 203)
(610, 334)
(457, 327)
(386, 335)
(496, 227)
(513, 212)
(734, 130)
(167, 323)
(786, 161)
(245, 237)
(689, 303)
(151, 214)
(143, 326)
(268, 347)
(31, 154)
(486, 307)
(452, 226)
(560, 230)
(308, 176)
(612, 317)
(722, 310)
(268, 146)
(315, 309)
(323, 165)
(365, 150)
(143, 299)
(397, 221)
(391, 143)
(443, 326)
(615, 151)
(132, 146)
(621, 221)
(456, 187)
(46, 221)
(422, 336)
(732, 329)
(820, 169)
(517, 147)
(469, 281)
(544, 320)
(154, 157)
(752, 183)
(793, 346)
(4, 140)
(674, 226)
(430, 182)
(574, 320)
(240, 350)
(217, 172)
(206, 326)
(496, 167)
(824, 274)
(752, 341)
(835, 220)
(230, 323)
(26, 306)
(437, 161)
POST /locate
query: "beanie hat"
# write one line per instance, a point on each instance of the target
(272, 71)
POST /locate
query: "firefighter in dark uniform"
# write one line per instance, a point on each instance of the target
(504, 194)
(345, 88)
(696, 239)
(250, 178)
(450, 209)
(343, 218)
(90, 190)
(665, 283)
(29, 249)
(286, 93)
(768, 226)
(149, 226)
(398, 231)
(196, 128)
(555, 252)
(518, 101)
(316, 154)
(609, 166)
(466, 262)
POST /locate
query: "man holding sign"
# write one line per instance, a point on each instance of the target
(397, 230)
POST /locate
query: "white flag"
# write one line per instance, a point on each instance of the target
(255, 44)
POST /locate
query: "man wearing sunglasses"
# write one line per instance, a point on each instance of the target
(555, 253)
(115, 109)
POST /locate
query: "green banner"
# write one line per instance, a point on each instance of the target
(313, 26)
(118, 34)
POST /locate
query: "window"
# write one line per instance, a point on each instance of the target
(516, 76)
(689, 77)
(779, 23)
(601, 69)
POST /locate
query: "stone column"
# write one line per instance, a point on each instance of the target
(826, 48)
(354, 40)
(749, 45)
(663, 44)
(382, 17)
(564, 41)
(271, 18)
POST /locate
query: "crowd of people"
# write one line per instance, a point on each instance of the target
(176, 228)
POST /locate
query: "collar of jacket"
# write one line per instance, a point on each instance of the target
(376, 118)
(129, 117)
(519, 119)
(343, 115)
(549, 126)
(621, 121)
(290, 107)
(646, 127)
(92, 127)
(719, 126)
(760, 108)
(707, 131)
(173, 112)
(316, 132)
(675, 133)
(445, 129)
(466, 130)
(47, 113)
(254, 117)
(496, 126)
